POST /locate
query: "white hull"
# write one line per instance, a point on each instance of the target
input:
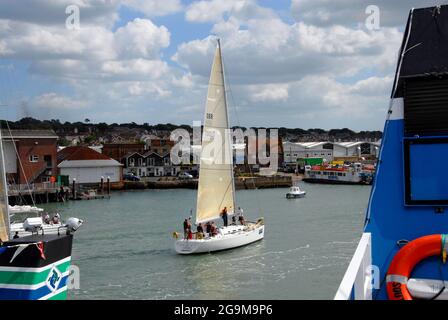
(229, 237)
(47, 229)
(291, 195)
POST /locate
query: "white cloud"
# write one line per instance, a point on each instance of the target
(270, 50)
(141, 38)
(208, 11)
(153, 8)
(50, 12)
(152, 69)
(269, 92)
(352, 13)
(53, 100)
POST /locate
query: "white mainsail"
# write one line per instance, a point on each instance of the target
(4, 215)
(216, 185)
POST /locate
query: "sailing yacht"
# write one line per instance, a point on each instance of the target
(216, 187)
(403, 249)
(36, 266)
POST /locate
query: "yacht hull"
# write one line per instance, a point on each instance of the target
(229, 238)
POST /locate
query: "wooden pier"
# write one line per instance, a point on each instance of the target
(36, 193)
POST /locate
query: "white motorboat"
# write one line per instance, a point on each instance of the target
(295, 192)
(216, 187)
(36, 225)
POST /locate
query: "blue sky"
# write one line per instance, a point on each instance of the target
(297, 63)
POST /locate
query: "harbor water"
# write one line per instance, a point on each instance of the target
(125, 250)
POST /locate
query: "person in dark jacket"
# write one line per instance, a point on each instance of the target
(200, 231)
(224, 216)
(186, 225)
(208, 228)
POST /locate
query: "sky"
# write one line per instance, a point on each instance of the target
(288, 63)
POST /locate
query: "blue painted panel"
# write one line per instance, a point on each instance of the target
(27, 294)
(428, 172)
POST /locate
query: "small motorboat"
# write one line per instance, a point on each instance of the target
(295, 192)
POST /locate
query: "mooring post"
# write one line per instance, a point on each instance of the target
(102, 186)
(108, 186)
(74, 189)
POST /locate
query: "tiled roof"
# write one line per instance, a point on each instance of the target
(80, 153)
(28, 134)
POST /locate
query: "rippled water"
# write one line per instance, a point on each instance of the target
(125, 249)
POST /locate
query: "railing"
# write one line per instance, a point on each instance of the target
(357, 281)
(33, 187)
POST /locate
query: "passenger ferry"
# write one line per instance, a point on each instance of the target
(345, 174)
(403, 250)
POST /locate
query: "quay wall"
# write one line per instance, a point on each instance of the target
(44, 196)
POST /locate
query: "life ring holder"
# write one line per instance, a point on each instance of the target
(407, 258)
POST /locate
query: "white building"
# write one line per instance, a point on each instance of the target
(356, 149)
(329, 150)
(294, 150)
(88, 166)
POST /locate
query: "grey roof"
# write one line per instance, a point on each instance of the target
(28, 134)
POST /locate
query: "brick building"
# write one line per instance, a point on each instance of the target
(118, 150)
(30, 155)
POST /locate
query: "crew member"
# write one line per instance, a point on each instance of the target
(224, 216)
(200, 231)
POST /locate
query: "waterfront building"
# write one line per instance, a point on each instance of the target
(87, 165)
(329, 150)
(295, 150)
(118, 150)
(30, 155)
(149, 164)
(359, 149)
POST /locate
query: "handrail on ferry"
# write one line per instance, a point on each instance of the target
(357, 280)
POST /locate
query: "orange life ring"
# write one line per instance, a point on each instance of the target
(406, 259)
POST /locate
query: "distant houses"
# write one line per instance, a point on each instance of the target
(31, 156)
(150, 164)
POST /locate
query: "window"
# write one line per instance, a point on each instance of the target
(34, 158)
(151, 162)
(47, 159)
(140, 162)
(131, 162)
(166, 161)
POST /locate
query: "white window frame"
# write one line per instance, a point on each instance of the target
(34, 158)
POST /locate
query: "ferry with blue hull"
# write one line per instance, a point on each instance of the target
(403, 251)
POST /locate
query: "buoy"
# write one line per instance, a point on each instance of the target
(407, 258)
